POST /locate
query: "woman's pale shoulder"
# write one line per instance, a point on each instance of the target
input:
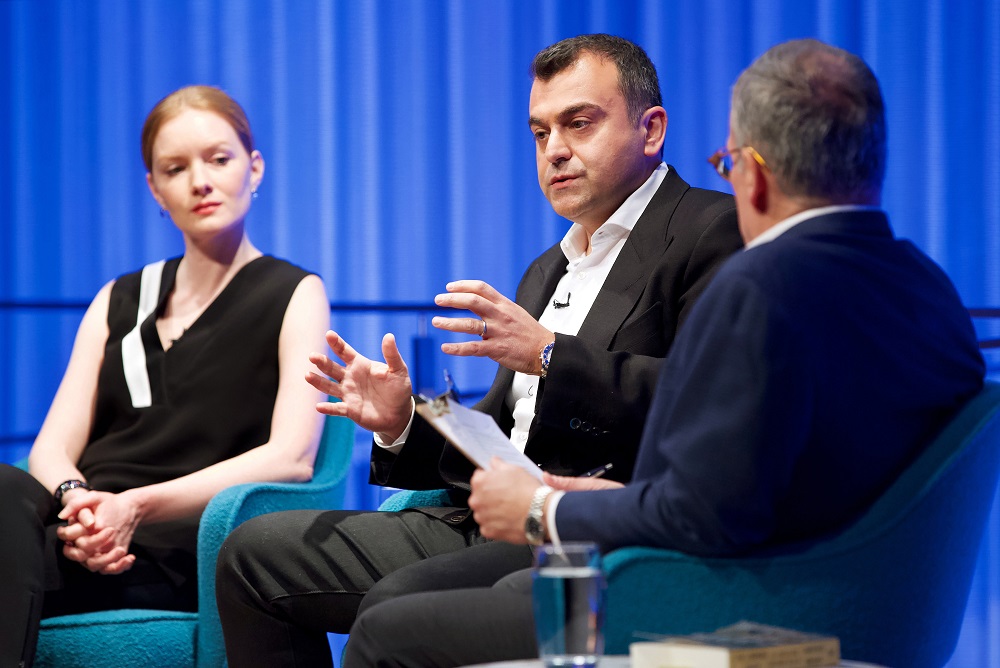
(104, 294)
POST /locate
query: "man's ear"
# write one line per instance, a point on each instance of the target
(154, 191)
(757, 184)
(654, 126)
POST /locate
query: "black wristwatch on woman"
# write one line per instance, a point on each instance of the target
(68, 485)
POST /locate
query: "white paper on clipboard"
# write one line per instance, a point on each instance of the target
(475, 434)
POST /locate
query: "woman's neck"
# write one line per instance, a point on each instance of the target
(203, 273)
(207, 267)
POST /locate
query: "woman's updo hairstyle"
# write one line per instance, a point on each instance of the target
(205, 98)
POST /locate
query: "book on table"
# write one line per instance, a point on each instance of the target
(741, 645)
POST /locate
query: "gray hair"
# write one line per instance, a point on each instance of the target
(815, 113)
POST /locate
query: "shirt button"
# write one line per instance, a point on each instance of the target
(523, 437)
(574, 423)
(581, 275)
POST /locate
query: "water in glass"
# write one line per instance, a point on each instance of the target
(569, 605)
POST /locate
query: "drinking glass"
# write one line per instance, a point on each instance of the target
(568, 599)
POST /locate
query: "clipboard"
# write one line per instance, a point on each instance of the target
(475, 434)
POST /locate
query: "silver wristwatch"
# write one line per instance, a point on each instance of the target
(534, 527)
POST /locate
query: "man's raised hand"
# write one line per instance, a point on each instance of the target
(375, 395)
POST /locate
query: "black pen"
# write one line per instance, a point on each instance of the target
(599, 471)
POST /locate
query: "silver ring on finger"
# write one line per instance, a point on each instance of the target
(482, 334)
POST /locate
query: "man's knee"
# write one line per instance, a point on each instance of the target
(381, 639)
(264, 542)
(253, 549)
(461, 568)
(411, 579)
(230, 563)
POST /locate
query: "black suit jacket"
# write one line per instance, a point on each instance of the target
(591, 407)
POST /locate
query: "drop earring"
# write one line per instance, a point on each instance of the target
(253, 194)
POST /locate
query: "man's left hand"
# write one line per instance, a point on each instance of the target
(500, 500)
(513, 338)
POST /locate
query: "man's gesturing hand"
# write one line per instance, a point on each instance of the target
(513, 338)
(374, 395)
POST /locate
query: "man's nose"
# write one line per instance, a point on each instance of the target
(556, 148)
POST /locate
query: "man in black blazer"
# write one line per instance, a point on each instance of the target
(816, 366)
(591, 405)
(579, 352)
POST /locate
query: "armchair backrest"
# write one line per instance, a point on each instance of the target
(893, 585)
(945, 470)
(333, 457)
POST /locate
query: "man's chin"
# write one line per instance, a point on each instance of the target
(567, 206)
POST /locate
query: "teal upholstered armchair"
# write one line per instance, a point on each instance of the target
(893, 585)
(164, 639)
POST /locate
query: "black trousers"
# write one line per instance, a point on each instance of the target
(286, 579)
(37, 581)
(459, 627)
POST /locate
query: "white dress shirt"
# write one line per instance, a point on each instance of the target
(578, 289)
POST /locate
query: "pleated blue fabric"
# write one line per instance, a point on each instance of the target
(398, 153)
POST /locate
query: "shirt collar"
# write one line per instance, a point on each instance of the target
(621, 222)
(777, 230)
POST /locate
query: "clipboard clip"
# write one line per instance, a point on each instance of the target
(439, 404)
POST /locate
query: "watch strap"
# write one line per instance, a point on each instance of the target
(534, 527)
(68, 485)
(545, 356)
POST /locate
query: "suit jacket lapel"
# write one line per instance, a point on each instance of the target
(648, 240)
(542, 279)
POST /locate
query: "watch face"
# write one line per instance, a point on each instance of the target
(534, 531)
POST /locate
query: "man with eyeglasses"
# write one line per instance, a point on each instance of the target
(828, 351)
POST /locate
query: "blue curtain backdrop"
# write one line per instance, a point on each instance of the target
(398, 155)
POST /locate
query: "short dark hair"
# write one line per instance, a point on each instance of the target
(816, 115)
(637, 79)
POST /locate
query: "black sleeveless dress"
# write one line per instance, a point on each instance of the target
(210, 395)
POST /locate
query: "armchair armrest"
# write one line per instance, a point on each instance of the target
(654, 590)
(409, 498)
(234, 505)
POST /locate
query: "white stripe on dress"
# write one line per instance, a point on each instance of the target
(133, 352)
